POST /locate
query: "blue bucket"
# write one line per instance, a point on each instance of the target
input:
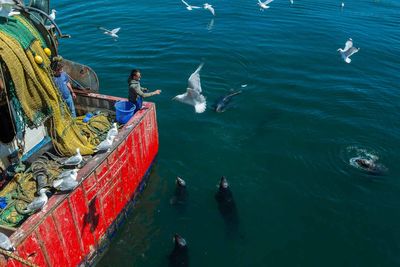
(124, 111)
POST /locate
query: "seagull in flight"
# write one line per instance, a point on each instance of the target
(210, 8)
(112, 33)
(264, 5)
(189, 7)
(193, 94)
(348, 50)
(6, 8)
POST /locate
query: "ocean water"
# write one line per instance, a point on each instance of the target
(284, 144)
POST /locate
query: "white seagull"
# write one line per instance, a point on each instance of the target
(210, 8)
(189, 7)
(112, 33)
(74, 160)
(68, 174)
(264, 5)
(113, 132)
(5, 243)
(193, 94)
(6, 8)
(348, 50)
(105, 145)
(67, 182)
(52, 15)
(38, 202)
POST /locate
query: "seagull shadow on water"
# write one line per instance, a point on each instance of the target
(227, 208)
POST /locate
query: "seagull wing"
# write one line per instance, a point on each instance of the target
(195, 7)
(267, 2)
(105, 30)
(183, 1)
(36, 204)
(194, 79)
(348, 45)
(352, 50)
(74, 160)
(114, 31)
(211, 10)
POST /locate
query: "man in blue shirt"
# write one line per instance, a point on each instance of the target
(61, 80)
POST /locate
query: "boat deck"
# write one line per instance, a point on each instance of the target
(72, 228)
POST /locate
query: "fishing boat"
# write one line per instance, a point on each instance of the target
(38, 133)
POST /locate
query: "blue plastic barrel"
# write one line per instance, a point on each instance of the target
(124, 111)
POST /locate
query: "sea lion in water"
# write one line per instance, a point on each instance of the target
(179, 255)
(222, 102)
(180, 194)
(226, 205)
(368, 165)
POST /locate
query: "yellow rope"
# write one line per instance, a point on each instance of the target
(37, 94)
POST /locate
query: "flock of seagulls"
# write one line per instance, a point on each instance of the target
(205, 6)
(67, 180)
(193, 95)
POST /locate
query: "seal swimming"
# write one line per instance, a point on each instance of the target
(180, 194)
(222, 102)
(179, 255)
(227, 205)
(368, 165)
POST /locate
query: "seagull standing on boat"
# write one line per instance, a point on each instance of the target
(264, 5)
(52, 15)
(70, 173)
(38, 202)
(6, 8)
(5, 243)
(112, 33)
(348, 51)
(113, 132)
(193, 94)
(210, 8)
(105, 145)
(67, 182)
(74, 160)
(189, 7)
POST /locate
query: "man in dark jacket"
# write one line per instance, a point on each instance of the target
(136, 92)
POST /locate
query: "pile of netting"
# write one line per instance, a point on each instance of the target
(36, 97)
(22, 189)
(36, 100)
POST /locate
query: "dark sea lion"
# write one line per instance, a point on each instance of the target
(226, 205)
(179, 255)
(180, 194)
(368, 165)
(222, 102)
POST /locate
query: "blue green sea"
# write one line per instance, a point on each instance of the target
(284, 143)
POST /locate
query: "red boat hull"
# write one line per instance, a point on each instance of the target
(74, 229)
